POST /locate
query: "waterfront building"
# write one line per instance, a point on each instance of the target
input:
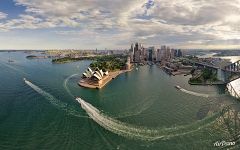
(88, 73)
(95, 76)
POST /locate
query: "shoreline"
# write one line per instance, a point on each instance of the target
(112, 75)
(214, 83)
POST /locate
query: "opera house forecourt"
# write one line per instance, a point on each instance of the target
(96, 78)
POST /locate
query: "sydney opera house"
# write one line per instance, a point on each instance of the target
(96, 75)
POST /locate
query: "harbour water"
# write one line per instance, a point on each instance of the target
(138, 110)
(230, 58)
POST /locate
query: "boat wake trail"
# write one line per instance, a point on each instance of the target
(137, 109)
(65, 84)
(195, 93)
(142, 133)
(57, 103)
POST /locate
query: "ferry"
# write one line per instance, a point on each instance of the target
(178, 87)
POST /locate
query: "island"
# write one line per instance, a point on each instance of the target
(37, 57)
(103, 69)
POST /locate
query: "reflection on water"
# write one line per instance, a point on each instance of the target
(231, 58)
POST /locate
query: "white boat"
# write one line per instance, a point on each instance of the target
(178, 87)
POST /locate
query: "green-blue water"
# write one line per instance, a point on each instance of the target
(144, 99)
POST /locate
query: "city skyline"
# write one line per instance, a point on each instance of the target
(185, 24)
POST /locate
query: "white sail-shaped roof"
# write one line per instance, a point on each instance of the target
(86, 75)
(89, 69)
(98, 73)
(101, 72)
(106, 73)
(97, 76)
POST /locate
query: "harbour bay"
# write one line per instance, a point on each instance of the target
(144, 98)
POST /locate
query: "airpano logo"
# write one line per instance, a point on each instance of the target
(223, 143)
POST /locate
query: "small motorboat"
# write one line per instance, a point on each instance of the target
(178, 87)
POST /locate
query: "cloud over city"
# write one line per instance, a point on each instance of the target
(115, 24)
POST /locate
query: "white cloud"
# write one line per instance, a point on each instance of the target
(106, 13)
(3, 15)
(149, 21)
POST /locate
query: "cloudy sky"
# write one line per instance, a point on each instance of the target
(114, 24)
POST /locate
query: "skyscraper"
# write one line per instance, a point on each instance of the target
(132, 53)
(150, 54)
(163, 53)
(179, 53)
(137, 53)
(168, 54)
(159, 55)
(173, 53)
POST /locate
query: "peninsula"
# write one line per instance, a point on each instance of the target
(103, 70)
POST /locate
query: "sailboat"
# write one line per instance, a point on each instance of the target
(9, 60)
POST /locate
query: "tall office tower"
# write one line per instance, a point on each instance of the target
(163, 52)
(168, 54)
(176, 53)
(160, 56)
(141, 46)
(144, 54)
(132, 53)
(154, 54)
(150, 54)
(158, 59)
(137, 53)
(179, 53)
(132, 48)
(173, 53)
